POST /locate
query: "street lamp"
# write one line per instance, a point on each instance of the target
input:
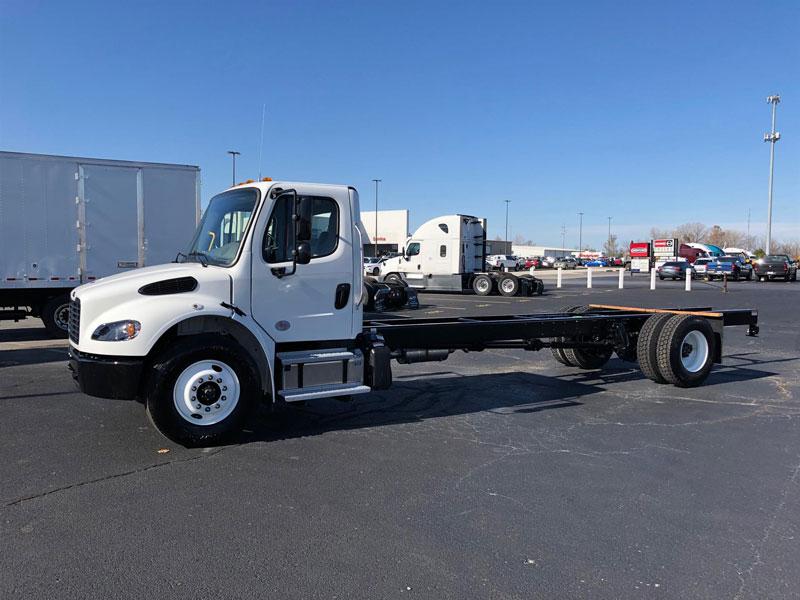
(580, 237)
(563, 236)
(773, 137)
(233, 154)
(377, 181)
(608, 249)
(506, 236)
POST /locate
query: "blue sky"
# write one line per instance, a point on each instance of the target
(652, 113)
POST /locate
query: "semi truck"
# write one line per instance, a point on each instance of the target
(447, 254)
(65, 221)
(268, 305)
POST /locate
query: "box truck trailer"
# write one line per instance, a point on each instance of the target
(274, 311)
(65, 221)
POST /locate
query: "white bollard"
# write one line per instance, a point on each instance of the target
(621, 276)
(558, 280)
(588, 277)
(688, 280)
(652, 279)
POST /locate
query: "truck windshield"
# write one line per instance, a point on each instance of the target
(222, 227)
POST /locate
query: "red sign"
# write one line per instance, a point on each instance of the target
(640, 250)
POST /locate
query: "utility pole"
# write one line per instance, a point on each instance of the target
(233, 155)
(506, 236)
(748, 222)
(580, 237)
(377, 181)
(773, 137)
(563, 236)
(609, 233)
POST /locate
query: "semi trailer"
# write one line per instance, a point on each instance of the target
(268, 305)
(448, 254)
(65, 221)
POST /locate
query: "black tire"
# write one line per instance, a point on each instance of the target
(675, 341)
(395, 278)
(174, 362)
(508, 285)
(376, 271)
(585, 358)
(736, 275)
(539, 287)
(787, 278)
(794, 276)
(647, 346)
(750, 275)
(55, 316)
(558, 353)
(483, 285)
(661, 278)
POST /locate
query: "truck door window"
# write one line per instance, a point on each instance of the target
(279, 236)
(413, 249)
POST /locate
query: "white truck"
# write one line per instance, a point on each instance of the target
(268, 306)
(65, 221)
(447, 253)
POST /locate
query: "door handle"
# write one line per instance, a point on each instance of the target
(342, 295)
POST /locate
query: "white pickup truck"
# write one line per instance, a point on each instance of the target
(268, 306)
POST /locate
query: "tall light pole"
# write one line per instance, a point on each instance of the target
(563, 236)
(773, 137)
(580, 237)
(233, 154)
(609, 234)
(377, 181)
(506, 236)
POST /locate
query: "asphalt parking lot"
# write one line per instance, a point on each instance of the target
(499, 474)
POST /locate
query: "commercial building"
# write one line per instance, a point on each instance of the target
(392, 231)
(543, 251)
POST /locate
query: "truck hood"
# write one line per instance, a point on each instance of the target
(127, 285)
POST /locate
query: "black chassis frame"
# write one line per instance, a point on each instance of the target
(615, 327)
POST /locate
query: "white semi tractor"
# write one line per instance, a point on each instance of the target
(268, 306)
(447, 254)
(65, 221)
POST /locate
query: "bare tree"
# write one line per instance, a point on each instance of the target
(691, 232)
(610, 247)
(660, 234)
(519, 240)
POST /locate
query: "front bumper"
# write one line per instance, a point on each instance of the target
(111, 377)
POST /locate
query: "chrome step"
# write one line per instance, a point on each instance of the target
(323, 391)
(315, 356)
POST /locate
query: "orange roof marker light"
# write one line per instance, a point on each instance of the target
(267, 179)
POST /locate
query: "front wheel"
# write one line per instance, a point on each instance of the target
(200, 389)
(482, 284)
(395, 278)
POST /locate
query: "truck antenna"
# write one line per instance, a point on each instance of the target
(261, 147)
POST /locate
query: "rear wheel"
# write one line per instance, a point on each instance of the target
(55, 316)
(686, 348)
(558, 353)
(647, 346)
(508, 285)
(587, 358)
(200, 389)
(482, 284)
(395, 278)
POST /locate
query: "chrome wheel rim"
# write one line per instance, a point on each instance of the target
(206, 392)
(507, 285)
(482, 285)
(694, 351)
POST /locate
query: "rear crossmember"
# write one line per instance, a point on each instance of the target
(584, 337)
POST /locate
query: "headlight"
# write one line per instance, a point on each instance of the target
(117, 331)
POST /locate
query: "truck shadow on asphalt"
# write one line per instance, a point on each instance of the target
(24, 334)
(32, 356)
(449, 394)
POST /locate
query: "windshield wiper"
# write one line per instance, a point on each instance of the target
(201, 257)
(177, 257)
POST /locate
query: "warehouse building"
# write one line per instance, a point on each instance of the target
(392, 231)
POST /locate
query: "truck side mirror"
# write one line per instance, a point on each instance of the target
(303, 253)
(303, 220)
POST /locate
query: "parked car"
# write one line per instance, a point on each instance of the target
(502, 262)
(677, 269)
(566, 262)
(372, 266)
(732, 266)
(533, 261)
(548, 262)
(776, 266)
(700, 265)
(600, 261)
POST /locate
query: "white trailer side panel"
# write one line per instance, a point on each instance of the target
(170, 212)
(38, 217)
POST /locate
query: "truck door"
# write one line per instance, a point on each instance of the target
(413, 264)
(316, 302)
(110, 198)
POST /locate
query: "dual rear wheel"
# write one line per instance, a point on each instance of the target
(676, 349)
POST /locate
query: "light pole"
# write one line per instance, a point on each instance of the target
(773, 137)
(563, 236)
(233, 154)
(506, 236)
(377, 181)
(580, 237)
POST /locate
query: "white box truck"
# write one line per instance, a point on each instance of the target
(65, 221)
(447, 254)
(273, 310)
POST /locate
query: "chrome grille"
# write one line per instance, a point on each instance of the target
(75, 320)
